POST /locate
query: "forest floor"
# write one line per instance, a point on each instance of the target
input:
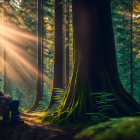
(33, 129)
(125, 128)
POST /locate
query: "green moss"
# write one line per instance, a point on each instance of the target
(125, 128)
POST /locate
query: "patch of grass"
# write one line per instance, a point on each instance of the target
(125, 128)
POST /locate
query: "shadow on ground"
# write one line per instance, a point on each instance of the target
(33, 130)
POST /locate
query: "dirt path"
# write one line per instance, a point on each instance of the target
(33, 130)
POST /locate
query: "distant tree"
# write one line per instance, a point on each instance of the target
(58, 76)
(4, 66)
(121, 25)
(39, 93)
(131, 47)
(126, 56)
(3, 45)
(136, 48)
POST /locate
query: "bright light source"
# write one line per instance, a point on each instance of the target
(1, 1)
(136, 16)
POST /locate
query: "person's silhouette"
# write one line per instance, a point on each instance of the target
(8, 105)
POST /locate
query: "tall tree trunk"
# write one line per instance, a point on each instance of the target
(39, 93)
(95, 67)
(3, 45)
(4, 65)
(58, 77)
(67, 42)
(131, 48)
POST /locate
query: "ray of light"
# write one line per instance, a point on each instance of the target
(20, 63)
(20, 58)
(9, 30)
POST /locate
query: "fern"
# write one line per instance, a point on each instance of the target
(58, 98)
(104, 103)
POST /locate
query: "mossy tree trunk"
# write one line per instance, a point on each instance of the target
(67, 23)
(39, 92)
(95, 66)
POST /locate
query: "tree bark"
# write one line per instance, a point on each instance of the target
(131, 48)
(39, 93)
(58, 76)
(66, 43)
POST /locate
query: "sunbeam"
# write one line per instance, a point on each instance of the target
(11, 32)
(20, 60)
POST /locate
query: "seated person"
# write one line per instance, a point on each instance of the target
(8, 105)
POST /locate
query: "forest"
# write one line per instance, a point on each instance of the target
(73, 66)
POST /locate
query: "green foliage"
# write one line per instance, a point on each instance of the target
(121, 24)
(58, 98)
(121, 16)
(104, 104)
(126, 128)
(28, 12)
